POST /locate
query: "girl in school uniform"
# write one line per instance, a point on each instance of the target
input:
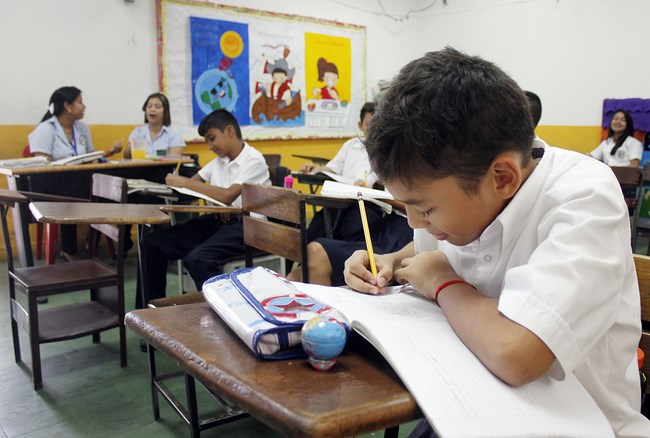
(62, 134)
(160, 137)
(620, 148)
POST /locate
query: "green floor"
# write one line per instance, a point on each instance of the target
(86, 393)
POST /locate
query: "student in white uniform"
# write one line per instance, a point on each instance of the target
(62, 134)
(158, 133)
(529, 259)
(620, 148)
(205, 244)
(351, 161)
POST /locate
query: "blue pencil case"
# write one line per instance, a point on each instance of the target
(265, 310)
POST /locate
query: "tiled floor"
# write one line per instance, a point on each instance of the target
(86, 393)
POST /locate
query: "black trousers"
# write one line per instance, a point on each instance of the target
(347, 223)
(204, 244)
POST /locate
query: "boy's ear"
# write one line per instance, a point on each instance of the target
(507, 174)
(230, 131)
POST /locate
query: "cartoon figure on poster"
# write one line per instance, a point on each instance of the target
(329, 75)
(220, 87)
(277, 99)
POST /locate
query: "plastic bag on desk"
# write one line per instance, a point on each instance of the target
(265, 310)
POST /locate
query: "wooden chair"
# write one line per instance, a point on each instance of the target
(642, 224)
(630, 180)
(285, 233)
(105, 308)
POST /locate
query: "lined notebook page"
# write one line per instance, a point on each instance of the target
(457, 394)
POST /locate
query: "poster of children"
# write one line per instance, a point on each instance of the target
(282, 76)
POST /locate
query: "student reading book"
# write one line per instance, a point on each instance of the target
(529, 259)
(351, 162)
(205, 244)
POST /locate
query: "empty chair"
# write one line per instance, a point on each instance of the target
(103, 310)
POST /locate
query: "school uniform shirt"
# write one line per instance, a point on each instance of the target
(632, 149)
(249, 167)
(49, 138)
(558, 257)
(168, 137)
(351, 161)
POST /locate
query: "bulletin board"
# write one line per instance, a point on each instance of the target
(282, 76)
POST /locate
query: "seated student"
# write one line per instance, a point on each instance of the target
(620, 148)
(504, 243)
(157, 132)
(205, 244)
(62, 134)
(351, 161)
(326, 257)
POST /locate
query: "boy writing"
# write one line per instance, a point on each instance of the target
(205, 244)
(529, 259)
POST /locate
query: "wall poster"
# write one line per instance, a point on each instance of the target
(282, 76)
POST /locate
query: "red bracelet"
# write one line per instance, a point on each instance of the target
(448, 283)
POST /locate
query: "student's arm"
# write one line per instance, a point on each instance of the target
(510, 351)
(175, 150)
(358, 276)
(311, 168)
(635, 163)
(224, 194)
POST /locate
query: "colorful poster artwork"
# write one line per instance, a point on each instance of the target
(328, 75)
(277, 77)
(219, 69)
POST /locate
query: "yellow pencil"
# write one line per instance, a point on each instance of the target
(365, 177)
(178, 166)
(366, 232)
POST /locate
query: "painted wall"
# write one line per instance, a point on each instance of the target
(568, 51)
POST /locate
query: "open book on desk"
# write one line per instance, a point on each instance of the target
(457, 394)
(79, 159)
(146, 186)
(334, 189)
(17, 163)
(196, 194)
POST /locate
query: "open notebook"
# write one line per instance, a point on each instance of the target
(457, 394)
(334, 189)
(79, 159)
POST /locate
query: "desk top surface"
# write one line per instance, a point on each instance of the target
(360, 394)
(97, 213)
(91, 166)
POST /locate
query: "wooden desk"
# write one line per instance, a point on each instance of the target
(359, 395)
(321, 161)
(315, 180)
(97, 213)
(72, 181)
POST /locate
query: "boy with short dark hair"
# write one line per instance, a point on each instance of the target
(205, 244)
(529, 259)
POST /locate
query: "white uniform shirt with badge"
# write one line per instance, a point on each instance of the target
(558, 257)
(249, 167)
(631, 149)
(49, 138)
(351, 161)
(168, 137)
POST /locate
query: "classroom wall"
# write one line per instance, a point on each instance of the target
(560, 49)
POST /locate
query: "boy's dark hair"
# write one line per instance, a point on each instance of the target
(167, 115)
(535, 104)
(367, 108)
(219, 119)
(60, 97)
(629, 130)
(448, 114)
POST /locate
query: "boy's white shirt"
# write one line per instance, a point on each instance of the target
(249, 166)
(559, 259)
(351, 161)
